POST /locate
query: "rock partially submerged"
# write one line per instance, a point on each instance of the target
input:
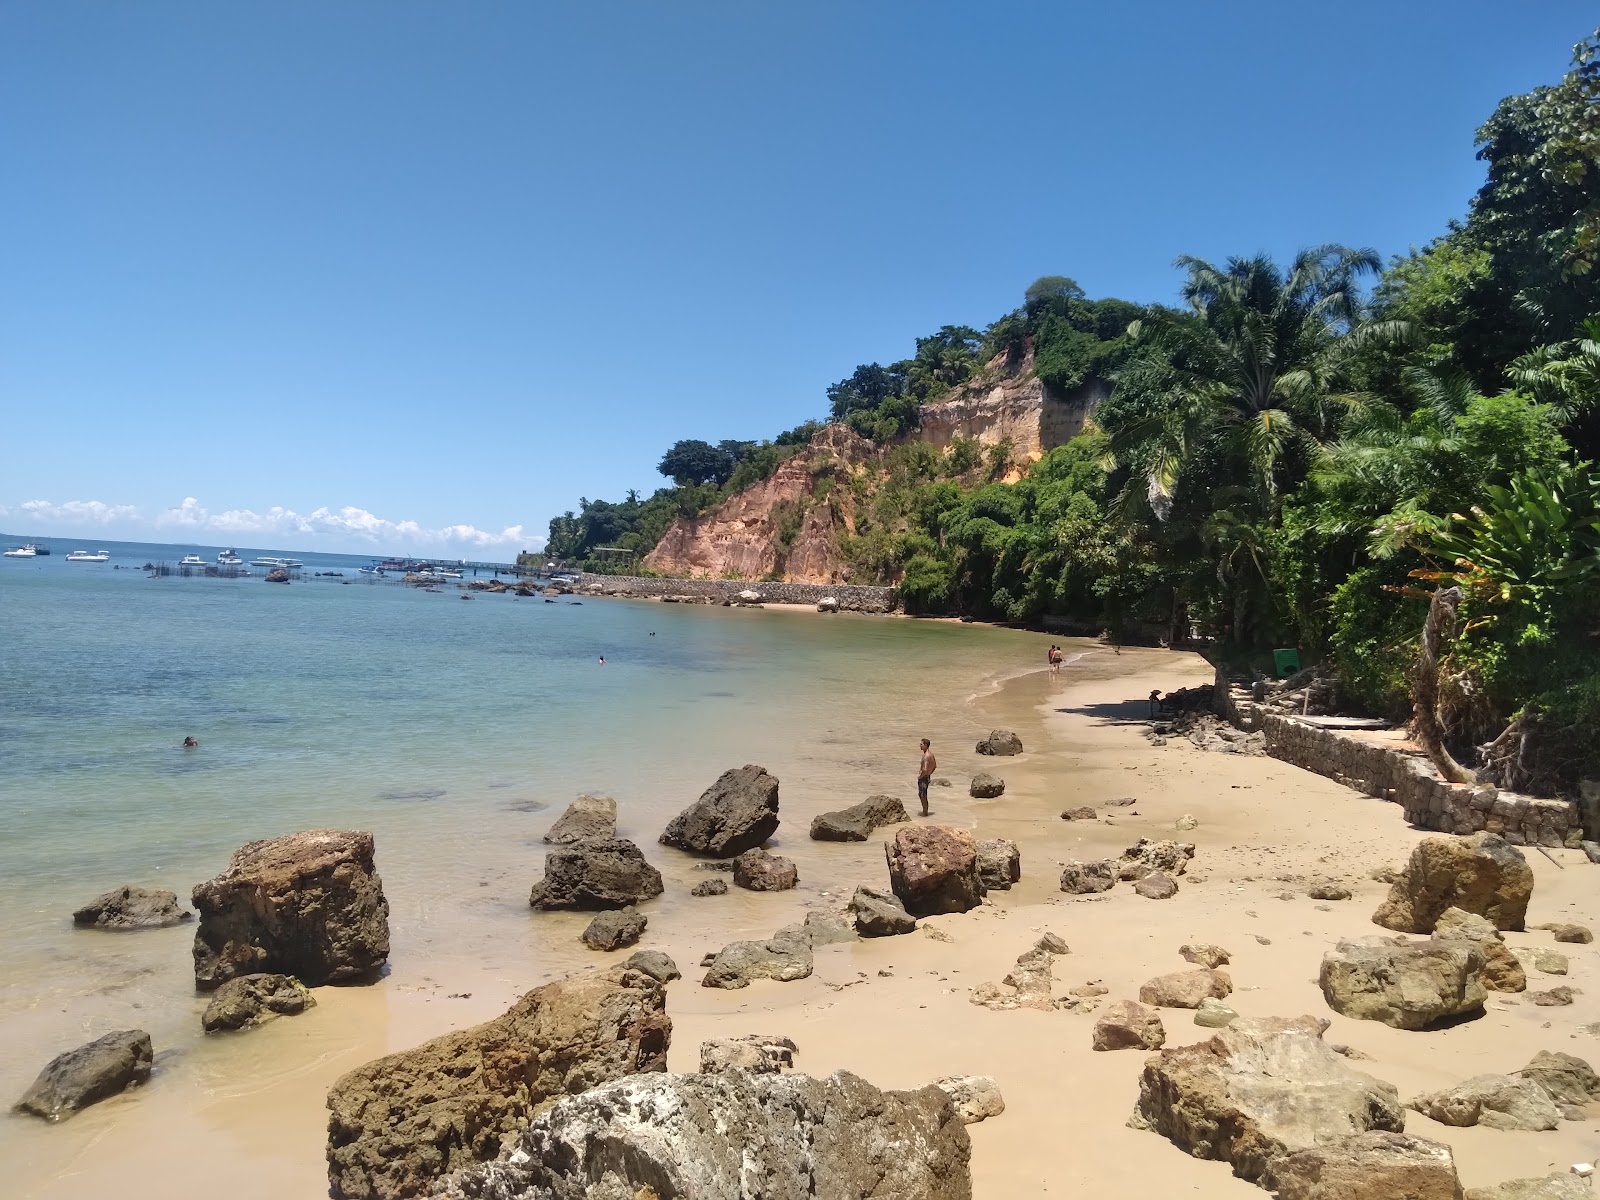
(587, 817)
(710, 887)
(615, 929)
(306, 904)
(736, 813)
(1412, 986)
(130, 907)
(880, 914)
(758, 871)
(783, 957)
(1087, 878)
(249, 1000)
(1001, 743)
(399, 1124)
(856, 823)
(985, 786)
(731, 1135)
(1369, 1166)
(999, 864)
(593, 875)
(1483, 874)
(93, 1072)
(934, 869)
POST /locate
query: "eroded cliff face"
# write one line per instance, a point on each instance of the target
(779, 528)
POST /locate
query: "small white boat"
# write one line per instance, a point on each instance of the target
(267, 560)
(27, 551)
(85, 556)
(191, 560)
(229, 558)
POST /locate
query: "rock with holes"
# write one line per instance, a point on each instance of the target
(1483, 874)
(999, 863)
(736, 813)
(759, 871)
(248, 1000)
(1145, 857)
(1408, 987)
(934, 869)
(130, 907)
(1088, 878)
(595, 875)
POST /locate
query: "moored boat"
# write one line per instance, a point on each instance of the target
(191, 560)
(286, 564)
(229, 558)
(28, 550)
(98, 556)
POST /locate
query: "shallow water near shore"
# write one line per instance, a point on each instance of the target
(455, 731)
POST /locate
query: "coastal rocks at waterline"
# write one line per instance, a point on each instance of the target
(595, 875)
(999, 863)
(1129, 1025)
(93, 1072)
(783, 957)
(788, 1136)
(879, 914)
(130, 907)
(758, 871)
(736, 813)
(1369, 1166)
(1001, 743)
(1411, 986)
(305, 904)
(934, 869)
(1494, 1101)
(976, 1097)
(1482, 873)
(1088, 878)
(1258, 1091)
(710, 887)
(985, 786)
(1145, 857)
(752, 1052)
(249, 1000)
(588, 817)
(614, 929)
(399, 1124)
(1186, 989)
(1501, 971)
(856, 823)
(654, 963)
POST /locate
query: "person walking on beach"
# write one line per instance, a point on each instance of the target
(925, 770)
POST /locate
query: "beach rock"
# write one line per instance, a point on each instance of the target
(934, 869)
(306, 904)
(1087, 878)
(595, 875)
(752, 1052)
(1578, 934)
(1545, 1187)
(91, 1073)
(655, 964)
(710, 887)
(985, 786)
(1501, 970)
(976, 1097)
(1548, 962)
(999, 863)
(785, 956)
(1258, 1091)
(1082, 813)
(1328, 890)
(1369, 1166)
(1406, 987)
(1483, 874)
(879, 914)
(400, 1123)
(1033, 978)
(828, 928)
(586, 817)
(1186, 989)
(615, 929)
(1146, 857)
(758, 871)
(1129, 1025)
(1214, 1014)
(1002, 743)
(1566, 1078)
(1052, 943)
(736, 813)
(248, 1000)
(1591, 851)
(732, 1135)
(1186, 823)
(1556, 997)
(131, 907)
(1205, 955)
(856, 823)
(1156, 886)
(1496, 1101)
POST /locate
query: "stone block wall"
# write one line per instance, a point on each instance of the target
(851, 597)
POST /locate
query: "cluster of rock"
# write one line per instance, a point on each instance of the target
(1151, 866)
(1551, 1088)
(1029, 984)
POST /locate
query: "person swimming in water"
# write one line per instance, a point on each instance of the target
(190, 744)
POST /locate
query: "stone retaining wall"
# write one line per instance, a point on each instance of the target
(851, 597)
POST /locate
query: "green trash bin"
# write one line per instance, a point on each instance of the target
(1285, 662)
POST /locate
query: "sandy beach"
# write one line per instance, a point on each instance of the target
(249, 1110)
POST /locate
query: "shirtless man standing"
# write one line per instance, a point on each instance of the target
(925, 772)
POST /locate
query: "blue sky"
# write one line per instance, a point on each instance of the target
(418, 275)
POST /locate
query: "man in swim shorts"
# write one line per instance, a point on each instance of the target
(925, 772)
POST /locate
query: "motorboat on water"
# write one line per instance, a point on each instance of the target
(25, 551)
(191, 560)
(286, 564)
(229, 558)
(85, 556)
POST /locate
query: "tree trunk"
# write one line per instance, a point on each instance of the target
(1438, 628)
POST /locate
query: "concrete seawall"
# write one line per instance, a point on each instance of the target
(851, 597)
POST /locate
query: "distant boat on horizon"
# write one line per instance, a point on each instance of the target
(27, 550)
(286, 564)
(98, 556)
(191, 560)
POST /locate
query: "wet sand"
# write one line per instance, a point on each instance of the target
(244, 1112)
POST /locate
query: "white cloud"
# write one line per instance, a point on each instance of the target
(341, 524)
(74, 512)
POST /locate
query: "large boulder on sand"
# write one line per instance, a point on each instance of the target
(306, 904)
(856, 823)
(1483, 874)
(1001, 743)
(758, 871)
(586, 817)
(594, 875)
(1129, 1025)
(249, 1000)
(132, 907)
(1501, 970)
(1408, 987)
(934, 869)
(736, 813)
(400, 1123)
(1258, 1091)
(1495, 1101)
(999, 863)
(614, 929)
(985, 786)
(93, 1072)
(735, 1134)
(1186, 989)
(879, 914)
(1087, 878)
(1369, 1166)
(783, 957)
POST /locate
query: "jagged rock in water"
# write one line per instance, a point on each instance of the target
(1086, 878)
(1002, 743)
(999, 863)
(1369, 1166)
(1501, 970)
(752, 1052)
(400, 1123)
(1407, 987)
(131, 907)
(985, 786)
(1483, 874)
(734, 1136)
(655, 964)
(1186, 989)
(1145, 857)
(785, 956)
(1129, 1025)
(1258, 1091)
(595, 875)
(856, 823)
(758, 871)
(587, 817)
(306, 904)
(976, 1097)
(736, 813)
(879, 914)
(93, 1072)
(248, 1000)
(615, 929)
(934, 869)
(1497, 1101)
(710, 887)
